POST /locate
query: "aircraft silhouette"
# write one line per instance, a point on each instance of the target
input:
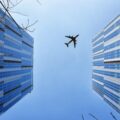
(73, 39)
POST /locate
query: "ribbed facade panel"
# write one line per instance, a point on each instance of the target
(16, 62)
(106, 63)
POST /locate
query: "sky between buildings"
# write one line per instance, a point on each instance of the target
(62, 76)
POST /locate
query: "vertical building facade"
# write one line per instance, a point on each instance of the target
(16, 62)
(106, 63)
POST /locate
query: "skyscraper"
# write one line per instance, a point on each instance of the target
(106, 63)
(16, 62)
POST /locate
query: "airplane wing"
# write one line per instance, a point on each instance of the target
(68, 36)
(76, 36)
(70, 41)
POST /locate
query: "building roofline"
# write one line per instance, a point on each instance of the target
(98, 33)
(112, 21)
(9, 15)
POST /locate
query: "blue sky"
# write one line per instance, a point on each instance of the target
(62, 76)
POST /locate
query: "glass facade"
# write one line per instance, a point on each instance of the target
(16, 62)
(106, 63)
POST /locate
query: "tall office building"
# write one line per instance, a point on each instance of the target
(16, 62)
(106, 63)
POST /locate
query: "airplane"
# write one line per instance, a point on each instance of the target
(73, 39)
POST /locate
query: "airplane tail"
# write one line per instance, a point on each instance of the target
(67, 44)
